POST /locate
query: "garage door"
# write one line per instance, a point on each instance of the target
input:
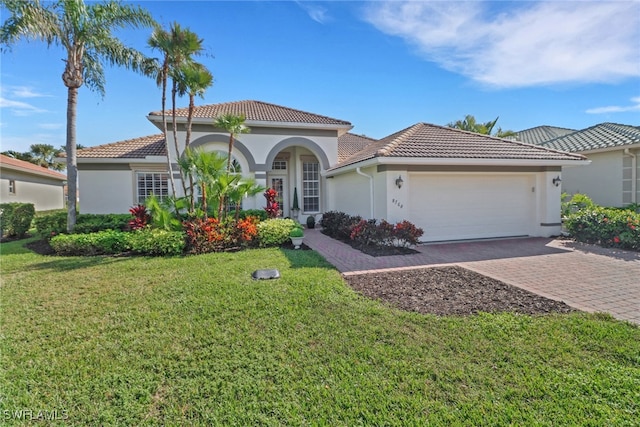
(471, 206)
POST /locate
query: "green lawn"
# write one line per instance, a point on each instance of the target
(195, 341)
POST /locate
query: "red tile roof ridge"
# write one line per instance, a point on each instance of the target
(10, 161)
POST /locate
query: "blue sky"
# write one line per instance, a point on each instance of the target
(381, 65)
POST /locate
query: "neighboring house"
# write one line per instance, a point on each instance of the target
(613, 177)
(454, 184)
(25, 182)
(540, 134)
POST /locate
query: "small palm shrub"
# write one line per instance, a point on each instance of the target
(275, 232)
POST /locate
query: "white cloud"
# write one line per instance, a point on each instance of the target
(315, 11)
(616, 108)
(518, 44)
(25, 92)
(51, 126)
(19, 108)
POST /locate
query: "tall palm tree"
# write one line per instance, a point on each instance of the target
(85, 33)
(178, 46)
(234, 125)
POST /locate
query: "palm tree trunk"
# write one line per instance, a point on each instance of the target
(72, 161)
(230, 150)
(164, 128)
(174, 90)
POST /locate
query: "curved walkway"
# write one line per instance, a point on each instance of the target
(585, 277)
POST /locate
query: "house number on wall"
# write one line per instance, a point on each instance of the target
(397, 203)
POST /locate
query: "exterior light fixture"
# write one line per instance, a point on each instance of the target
(399, 181)
(556, 181)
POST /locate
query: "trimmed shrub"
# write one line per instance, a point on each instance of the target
(157, 242)
(576, 203)
(607, 227)
(261, 214)
(372, 233)
(105, 242)
(275, 232)
(339, 224)
(56, 223)
(51, 224)
(16, 218)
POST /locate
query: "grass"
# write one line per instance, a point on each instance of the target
(195, 341)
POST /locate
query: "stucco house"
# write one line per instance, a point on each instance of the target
(454, 184)
(24, 182)
(613, 177)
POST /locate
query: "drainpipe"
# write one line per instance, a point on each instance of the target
(370, 189)
(634, 175)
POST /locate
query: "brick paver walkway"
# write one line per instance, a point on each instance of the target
(586, 277)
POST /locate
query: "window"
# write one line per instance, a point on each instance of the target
(310, 186)
(152, 184)
(279, 165)
(12, 186)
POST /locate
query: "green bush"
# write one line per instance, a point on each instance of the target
(575, 203)
(605, 227)
(16, 218)
(261, 214)
(56, 223)
(103, 242)
(275, 232)
(156, 242)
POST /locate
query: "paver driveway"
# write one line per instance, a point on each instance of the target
(586, 277)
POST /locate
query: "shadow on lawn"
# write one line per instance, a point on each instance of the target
(75, 263)
(305, 257)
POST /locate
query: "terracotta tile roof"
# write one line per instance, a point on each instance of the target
(20, 165)
(424, 140)
(604, 135)
(349, 144)
(137, 148)
(257, 111)
(540, 134)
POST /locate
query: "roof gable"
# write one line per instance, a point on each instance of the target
(602, 136)
(257, 111)
(21, 165)
(349, 144)
(424, 140)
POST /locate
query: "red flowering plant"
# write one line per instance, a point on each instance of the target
(140, 217)
(272, 208)
(212, 235)
(407, 234)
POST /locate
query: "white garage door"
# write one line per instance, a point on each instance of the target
(471, 206)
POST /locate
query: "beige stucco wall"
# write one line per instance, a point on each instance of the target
(105, 191)
(44, 193)
(601, 180)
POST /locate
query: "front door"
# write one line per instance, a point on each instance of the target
(279, 183)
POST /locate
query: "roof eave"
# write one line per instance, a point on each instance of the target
(454, 162)
(157, 119)
(112, 160)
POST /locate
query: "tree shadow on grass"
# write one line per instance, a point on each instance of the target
(75, 263)
(305, 257)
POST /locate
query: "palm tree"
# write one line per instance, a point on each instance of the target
(45, 156)
(194, 79)
(85, 33)
(470, 124)
(234, 125)
(243, 188)
(178, 47)
(206, 169)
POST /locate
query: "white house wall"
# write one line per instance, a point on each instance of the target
(351, 194)
(601, 180)
(45, 194)
(111, 191)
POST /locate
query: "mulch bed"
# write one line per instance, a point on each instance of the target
(376, 251)
(41, 247)
(451, 291)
